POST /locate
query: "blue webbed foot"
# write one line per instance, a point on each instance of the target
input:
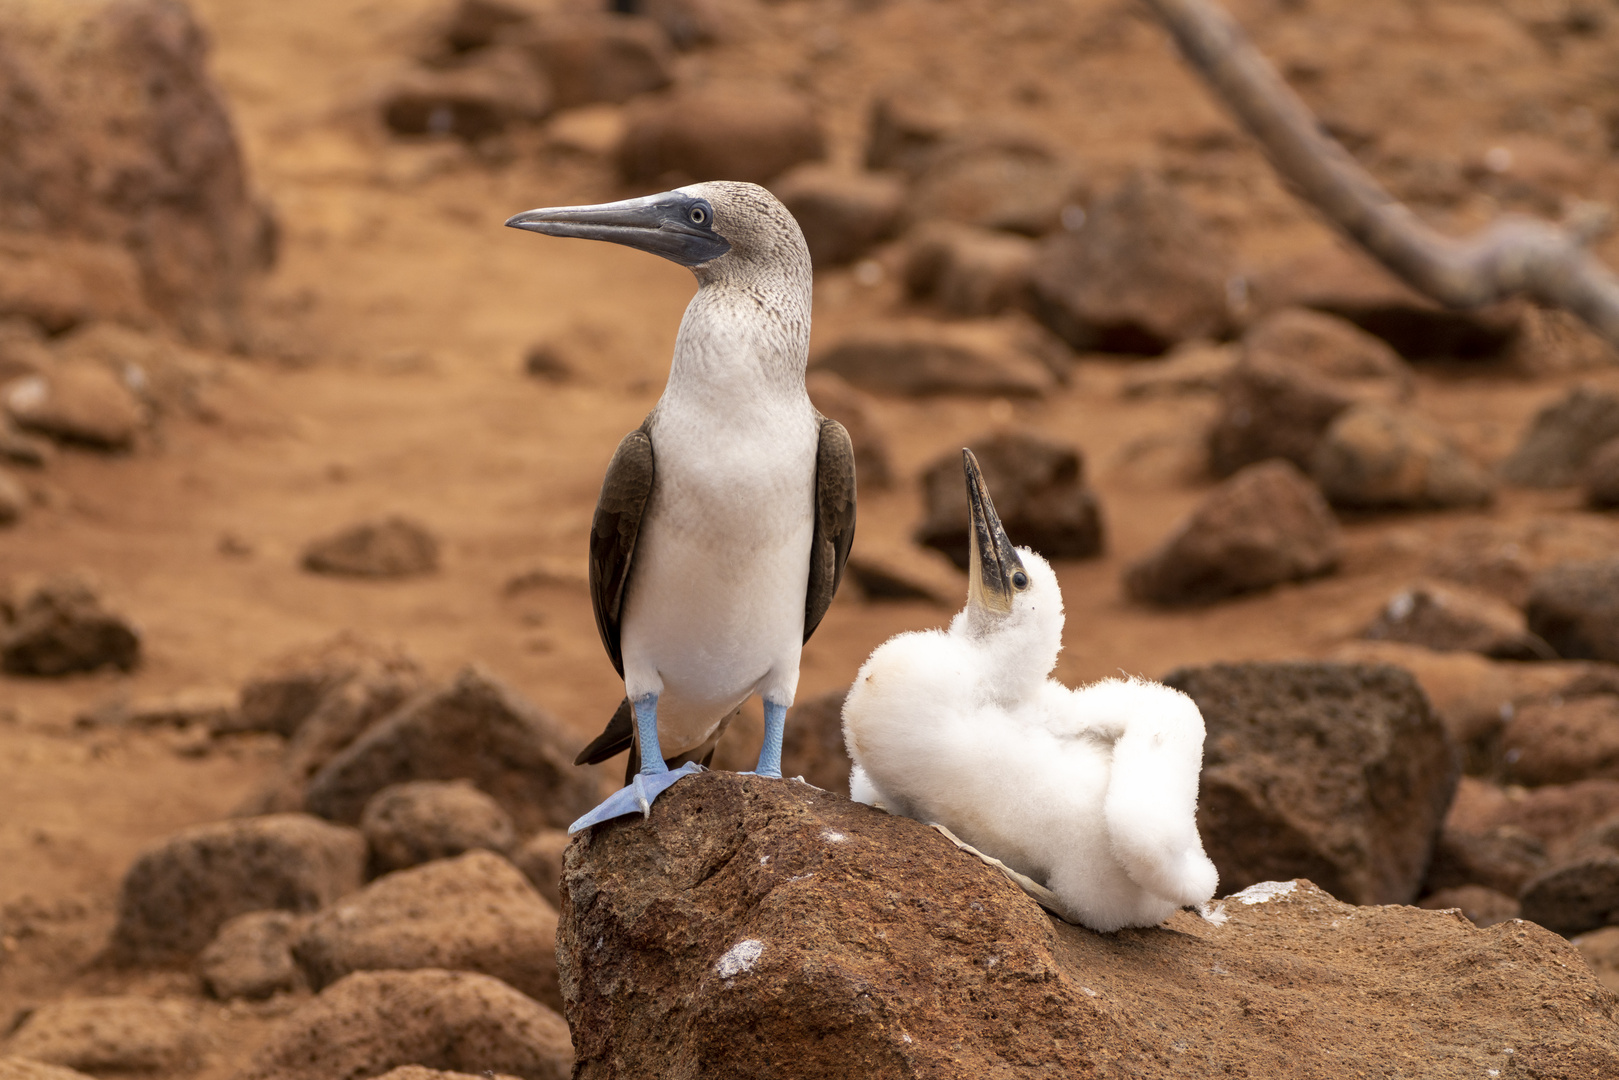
(635, 798)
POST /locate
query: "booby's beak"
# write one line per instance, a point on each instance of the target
(995, 573)
(678, 226)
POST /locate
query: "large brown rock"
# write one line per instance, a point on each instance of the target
(120, 153)
(374, 1021)
(968, 271)
(842, 213)
(390, 547)
(111, 1034)
(1039, 492)
(601, 56)
(484, 95)
(755, 928)
(1140, 275)
(473, 913)
(18, 1068)
(60, 628)
(476, 729)
(179, 892)
(1562, 439)
(1341, 770)
(906, 125)
(1562, 738)
(251, 957)
(1575, 607)
(287, 689)
(409, 824)
(77, 401)
(1450, 619)
(1372, 458)
(1505, 559)
(1265, 525)
(1578, 895)
(719, 134)
(922, 357)
(995, 179)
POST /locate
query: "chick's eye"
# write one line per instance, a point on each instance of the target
(1020, 580)
(698, 215)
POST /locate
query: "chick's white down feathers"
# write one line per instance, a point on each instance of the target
(1092, 792)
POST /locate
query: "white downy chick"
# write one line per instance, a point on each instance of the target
(1091, 792)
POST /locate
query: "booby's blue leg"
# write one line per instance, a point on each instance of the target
(654, 778)
(770, 752)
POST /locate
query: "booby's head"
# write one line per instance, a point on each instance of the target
(1014, 603)
(721, 230)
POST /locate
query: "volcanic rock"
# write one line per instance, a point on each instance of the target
(283, 693)
(1192, 367)
(20, 448)
(1600, 948)
(61, 628)
(1576, 896)
(476, 729)
(907, 125)
(1501, 859)
(1575, 607)
(409, 824)
(13, 499)
(1373, 458)
(472, 913)
(1558, 739)
(1450, 619)
(392, 547)
(1562, 438)
(751, 928)
(374, 1021)
(698, 135)
(178, 893)
(905, 572)
(967, 271)
(1039, 492)
(601, 56)
(839, 401)
(1141, 274)
(1504, 560)
(421, 1072)
(110, 1034)
(1481, 906)
(78, 402)
(1331, 347)
(1503, 839)
(842, 213)
(1342, 770)
(540, 859)
(251, 957)
(477, 24)
(479, 97)
(921, 357)
(1601, 477)
(16, 1068)
(995, 179)
(1265, 525)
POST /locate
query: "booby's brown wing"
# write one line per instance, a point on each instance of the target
(834, 521)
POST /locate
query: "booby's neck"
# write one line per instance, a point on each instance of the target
(745, 336)
(1018, 650)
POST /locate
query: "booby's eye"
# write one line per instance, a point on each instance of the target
(1020, 580)
(698, 215)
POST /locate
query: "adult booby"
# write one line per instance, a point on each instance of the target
(725, 520)
(1090, 792)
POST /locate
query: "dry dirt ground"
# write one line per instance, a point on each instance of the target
(405, 309)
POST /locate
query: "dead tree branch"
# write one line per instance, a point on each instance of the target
(1513, 255)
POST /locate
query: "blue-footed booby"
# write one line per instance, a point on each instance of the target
(725, 520)
(1088, 796)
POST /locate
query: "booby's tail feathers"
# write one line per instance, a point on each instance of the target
(1151, 805)
(615, 738)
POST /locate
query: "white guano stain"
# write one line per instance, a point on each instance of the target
(832, 836)
(739, 958)
(1265, 892)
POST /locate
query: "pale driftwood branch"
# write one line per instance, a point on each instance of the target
(1513, 255)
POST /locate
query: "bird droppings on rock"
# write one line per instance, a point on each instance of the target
(921, 357)
(1574, 606)
(373, 1021)
(843, 214)
(849, 932)
(1039, 491)
(413, 823)
(1448, 618)
(391, 547)
(111, 1034)
(1562, 439)
(60, 628)
(473, 913)
(1372, 458)
(1338, 772)
(476, 729)
(751, 137)
(180, 891)
(1266, 525)
(251, 957)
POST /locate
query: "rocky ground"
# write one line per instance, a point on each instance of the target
(298, 450)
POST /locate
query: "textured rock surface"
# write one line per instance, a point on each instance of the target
(1143, 273)
(1562, 738)
(372, 1022)
(476, 729)
(1265, 525)
(1482, 906)
(1450, 619)
(178, 893)
(1331, 347)
(409, 824)
(1341, 771)
(752, 929)
(1579, 894)
(968, 271)
(285, 691)
(110, 1034)
(842, 213)
(921, 357)
(391, 547)
(251, 957)
(1373, 458)
(60, 628)
(1562, 438)
(1575, 607)
(1504, 559)
(1039, 492)
(473, 913)
(700, 135)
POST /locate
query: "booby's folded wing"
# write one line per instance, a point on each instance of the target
(626, 490)
(834, 521)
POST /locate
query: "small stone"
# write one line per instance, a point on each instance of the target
(476, 729)
(839, 401)
(13, 499)
(286, 690)
(77, 401)
(1449, 619)
(1482, 906)
(413, 823)
(995, 179)
(1333, 348)
(1372, 458)
(969, 272)
(1574, 606)
(544, 361)
(704, 134)
(689, 23)
(484, 95)
(922, 357)
(1039, 492)
(540, 859)
(1192, 367)
(1601, 477)
(1599, 948)
(111, 1034)
(20, 448)
(907, 125)
(842, 213)
(1264, 526)
(178, 893)
(16, 1068)
(906, 572)
(374, 1021)
(472, 913)
(1562, 439)
(251, 957)
(1579, 895)
(393, 547)
(477, 24)
(1559, 739)
(1501, 859)
(1141, 274)
(61, 628)
(600, 56)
